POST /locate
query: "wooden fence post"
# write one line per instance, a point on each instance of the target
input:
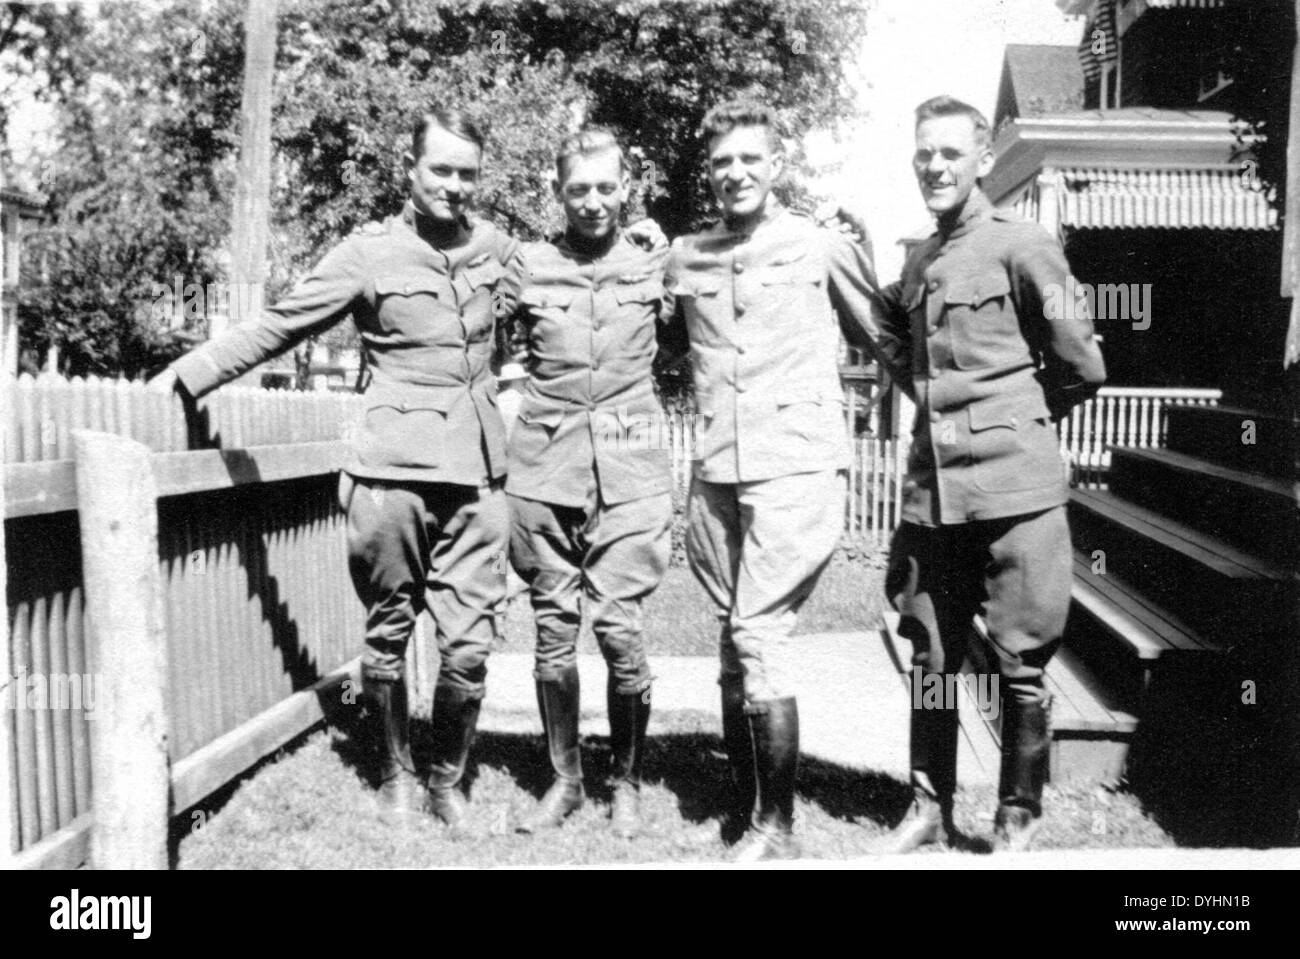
(128, 654)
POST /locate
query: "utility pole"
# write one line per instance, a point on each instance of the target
(252, 210)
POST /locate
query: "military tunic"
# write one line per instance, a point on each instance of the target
(989, 366)
(763, 311)
(589, 481)
(422, 485)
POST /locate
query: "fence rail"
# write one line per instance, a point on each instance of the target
(38, 415)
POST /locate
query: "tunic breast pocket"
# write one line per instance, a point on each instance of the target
(411, 304)
(791, 289)
(480, 302)
(634, 321)
(982, 323)
(549, 328)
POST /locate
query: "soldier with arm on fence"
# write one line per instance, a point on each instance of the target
(590, 479)
(984, 527)
(758, 294)
(428, 522)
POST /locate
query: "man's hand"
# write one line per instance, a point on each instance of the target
(647, 235)
(164, 382)
(835, 217)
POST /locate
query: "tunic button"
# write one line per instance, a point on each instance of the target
(934, 417)
(933, 285)
(402, 406)
(1015, 421)
(406, 290)
(934, 372)
(740, 268)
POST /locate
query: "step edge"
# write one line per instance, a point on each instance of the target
(1094, 596)
(1259, 568)
(1263, 483)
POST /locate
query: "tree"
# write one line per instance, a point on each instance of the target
(138, 190)
(148, 128)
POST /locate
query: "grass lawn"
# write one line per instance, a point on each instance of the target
(310, 808)
(680, 620)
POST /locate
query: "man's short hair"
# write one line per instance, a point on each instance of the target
(946, 106)
(587, 141)
(726, 117)
(452, 120)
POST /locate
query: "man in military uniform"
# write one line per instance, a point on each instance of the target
(589, 488)
(427, 515)
(759, 293)
(984, 528)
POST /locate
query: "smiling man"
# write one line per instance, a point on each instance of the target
(427, 514)
(764, 295)
(989, 366)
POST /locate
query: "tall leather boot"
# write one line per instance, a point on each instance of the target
(558, 702)
(629, 714)
(1026, 748)
(737, 796)
(933, 747)
(400, 792)
(774, 729)
(455, 719)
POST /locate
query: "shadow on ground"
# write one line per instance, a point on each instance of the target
(691, 765)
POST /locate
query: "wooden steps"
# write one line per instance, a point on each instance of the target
(1226, 591)
(1252, 511)
(1232, 436)
(1185, 581)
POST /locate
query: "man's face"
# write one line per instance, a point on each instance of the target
(593, 193)
(444, 176)
(948, 161)
(742, 168)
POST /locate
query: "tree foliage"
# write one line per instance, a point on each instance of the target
(150, 119)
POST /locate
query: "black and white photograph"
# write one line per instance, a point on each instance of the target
(736, 434)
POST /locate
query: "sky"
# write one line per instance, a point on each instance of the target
(916, 49)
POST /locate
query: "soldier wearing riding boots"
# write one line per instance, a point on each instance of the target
(763, 297)
(990, 366)
(589, 496)
(427, 519)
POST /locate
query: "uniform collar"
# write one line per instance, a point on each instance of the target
(425, 228)
(773, 212)
(977, 206)
(563, 244)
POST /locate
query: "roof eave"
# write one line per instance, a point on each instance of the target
(1029, 144)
